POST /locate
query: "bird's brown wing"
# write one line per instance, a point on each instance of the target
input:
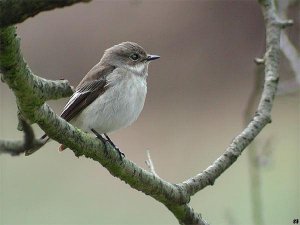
(87, 91)
(83, 97)
(92, 85)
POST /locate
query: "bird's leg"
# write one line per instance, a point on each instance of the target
(99, 136)
(121, 154)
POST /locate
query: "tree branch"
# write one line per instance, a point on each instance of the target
(263, 114)
(15, 148)
(12, 65)
(23, 9)
(20, 79)
(186, 215)
(292, 54)
(32, 91)
(290, 51)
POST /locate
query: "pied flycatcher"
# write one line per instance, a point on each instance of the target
(112, 94)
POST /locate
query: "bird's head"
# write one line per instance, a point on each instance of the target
(128, 55)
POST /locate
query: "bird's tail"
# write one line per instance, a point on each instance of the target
(44, 139)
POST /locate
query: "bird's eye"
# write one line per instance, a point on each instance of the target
(134, 57)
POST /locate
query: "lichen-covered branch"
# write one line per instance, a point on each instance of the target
(263, 114)
(186, 215)
(15, 148)
(32, 91)
(37, 89)
(16, 11)
(81, 143)
(84, 144)
(30, 94)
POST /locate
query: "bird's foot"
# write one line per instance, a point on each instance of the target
(99, 136)
(121, 154)
(107, 139)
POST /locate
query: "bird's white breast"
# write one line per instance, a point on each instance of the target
(118, 107)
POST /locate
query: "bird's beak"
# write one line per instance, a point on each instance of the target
(152, 57)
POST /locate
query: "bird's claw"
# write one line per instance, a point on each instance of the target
(121, 154)
(99, 136)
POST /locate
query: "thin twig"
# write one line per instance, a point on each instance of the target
(291, 53)
(150, 164)
(15, 148)
(263, 113)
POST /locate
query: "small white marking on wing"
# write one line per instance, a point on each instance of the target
(72, 99)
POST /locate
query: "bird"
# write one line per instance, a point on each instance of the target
(111, 95)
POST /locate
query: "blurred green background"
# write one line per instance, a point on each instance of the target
(197, 94)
